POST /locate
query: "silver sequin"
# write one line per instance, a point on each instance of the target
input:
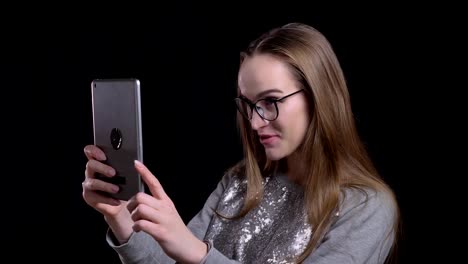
(274, 232)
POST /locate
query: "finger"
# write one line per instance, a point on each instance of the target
(154, 186)
(93, 152)
(93, 166)
(104, 201)
(143, 198)
(148, 227)
(97, 185)
(98, 200)
(145, 212)
(155, 230)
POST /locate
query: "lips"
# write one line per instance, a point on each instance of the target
(265, 136)
(268, 139)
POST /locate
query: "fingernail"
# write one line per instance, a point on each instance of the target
(115, 189)
(138, 163)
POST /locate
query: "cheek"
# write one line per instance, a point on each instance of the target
(295, 123)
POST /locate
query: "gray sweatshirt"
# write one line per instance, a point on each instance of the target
(277, 230)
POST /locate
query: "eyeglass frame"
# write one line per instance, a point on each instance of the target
(252, 105)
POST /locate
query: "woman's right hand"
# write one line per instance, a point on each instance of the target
(115, 211)
(94, 189)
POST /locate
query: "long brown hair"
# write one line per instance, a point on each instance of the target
(335, 157)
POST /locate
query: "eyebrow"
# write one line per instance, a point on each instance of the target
(261, 94)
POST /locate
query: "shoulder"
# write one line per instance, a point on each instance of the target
(235, 172)
(234, 175)
(366, 202)
(237, 169)
(363, 230)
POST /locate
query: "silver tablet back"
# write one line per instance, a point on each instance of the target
(117, 131)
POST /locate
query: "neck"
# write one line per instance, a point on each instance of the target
(295, 168)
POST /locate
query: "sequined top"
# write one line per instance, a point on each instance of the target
(270, 233)
(276, 231)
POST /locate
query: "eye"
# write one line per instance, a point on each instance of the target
(271, 100)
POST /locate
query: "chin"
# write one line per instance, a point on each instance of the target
(274, 154)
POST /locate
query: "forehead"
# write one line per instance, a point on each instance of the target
(264, 72)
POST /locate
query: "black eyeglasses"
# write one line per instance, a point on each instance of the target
(266, 108)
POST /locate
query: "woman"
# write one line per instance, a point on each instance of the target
(306, 190)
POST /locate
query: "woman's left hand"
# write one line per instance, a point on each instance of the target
(157, 216)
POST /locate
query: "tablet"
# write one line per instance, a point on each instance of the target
(117, 131)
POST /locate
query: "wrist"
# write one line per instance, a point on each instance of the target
(200, 251)
(121, 227)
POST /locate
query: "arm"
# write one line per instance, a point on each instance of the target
(362, 233)
(142, 248)
(139, 249)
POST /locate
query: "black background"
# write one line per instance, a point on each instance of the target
(186, 58)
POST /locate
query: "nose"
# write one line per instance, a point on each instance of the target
(257, 121)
